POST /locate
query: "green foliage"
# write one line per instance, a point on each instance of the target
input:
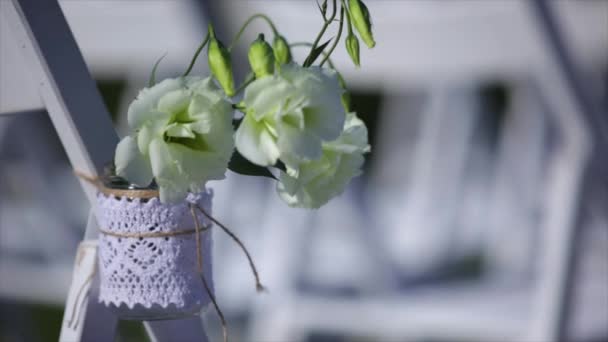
(152, 80)
(314, 54)
(238, 164)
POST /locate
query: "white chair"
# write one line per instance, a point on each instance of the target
(512, 40)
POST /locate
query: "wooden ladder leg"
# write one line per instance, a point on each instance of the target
(84, 318)
(579, 124)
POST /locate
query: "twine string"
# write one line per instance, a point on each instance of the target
(199, 260)
(78, 304)
(258, 285)
(154, 234)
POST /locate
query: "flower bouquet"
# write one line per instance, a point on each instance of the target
(287, 121)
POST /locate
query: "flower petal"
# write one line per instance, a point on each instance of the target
(353, 139)
(172, 187)
(175, 101)
(326, 127)
(197, 167)
(255, 143)
(314, 192)
(153, 128)
(266, 95)
(179, 131)
(205, 87)
(200, 106)
(147, 100)
(288, 189)
(298, 145)
(131, 164)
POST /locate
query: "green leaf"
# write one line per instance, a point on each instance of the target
(279, 165)
(152, 80)
(315, 53)
(242, 166)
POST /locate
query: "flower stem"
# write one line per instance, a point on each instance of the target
(152, 80)
(252, 18)
(323, 29)
(337, 39)
(198, 51)
(348, 23)
(199, 260)
(250, 78)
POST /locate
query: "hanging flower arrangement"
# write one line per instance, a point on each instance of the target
(288, 121)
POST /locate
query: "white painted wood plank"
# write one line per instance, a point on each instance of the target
(17, 91)
(84, 318)
(83, 124)
(566, 176)
(84, 128)
(82, 280)
(66, 87)
(469, 312)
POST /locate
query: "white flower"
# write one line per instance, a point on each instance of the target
(289, 115)
(181, 137)
(315, 182)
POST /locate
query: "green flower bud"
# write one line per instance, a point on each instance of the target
(361, 20)
(219, 63)
(261, 57)
(352, 47)
(282, 53)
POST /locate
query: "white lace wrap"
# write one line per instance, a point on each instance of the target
(153, 277)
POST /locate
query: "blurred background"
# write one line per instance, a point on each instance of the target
(482, 214)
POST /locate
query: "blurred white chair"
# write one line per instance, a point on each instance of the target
(515, 47)
(417, 222)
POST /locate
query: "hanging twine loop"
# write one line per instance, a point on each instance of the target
(148, 194)
(199, 261)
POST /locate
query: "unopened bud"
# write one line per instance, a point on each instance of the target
(352, 47)
(360, 18)
(261, 57)
(282, 53)
(219, 63)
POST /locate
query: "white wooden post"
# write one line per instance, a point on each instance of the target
(580, 126)
(83, 125)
